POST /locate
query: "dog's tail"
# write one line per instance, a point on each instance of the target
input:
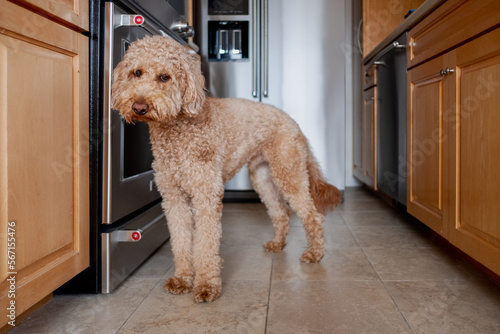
(326, 197)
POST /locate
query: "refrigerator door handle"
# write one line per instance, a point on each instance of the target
(254, 48)
(265, 52)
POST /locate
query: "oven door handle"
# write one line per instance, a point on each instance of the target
(136, 234)
(135, 20)
(123, 20)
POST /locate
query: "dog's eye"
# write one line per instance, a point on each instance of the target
(164, 77)
(137, 73)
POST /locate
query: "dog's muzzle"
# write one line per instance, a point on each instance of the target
(140, 108)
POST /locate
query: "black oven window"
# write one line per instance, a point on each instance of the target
(125, 45)
(137, 155)
(227, 7)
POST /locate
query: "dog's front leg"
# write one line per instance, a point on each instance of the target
(177, 208)
(207, 262)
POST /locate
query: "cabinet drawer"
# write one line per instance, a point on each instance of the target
(73, 13)
(454, 22)
(370, 77)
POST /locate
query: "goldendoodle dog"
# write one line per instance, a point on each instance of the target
(199, 143)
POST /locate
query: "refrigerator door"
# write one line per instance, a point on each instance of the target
(271, 53)
(296, 69)
(231, 60)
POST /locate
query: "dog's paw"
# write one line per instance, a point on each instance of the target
(178, 286)
(206, 292)
(274, 246)
(312, 255)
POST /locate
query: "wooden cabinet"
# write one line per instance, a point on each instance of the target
(365, 133)
(451, 24)
(74, 13)
(357, 151)
(369, 137)
(44, 156)
(427, 159)
(474, 145)
(381, 17)
(453, 121)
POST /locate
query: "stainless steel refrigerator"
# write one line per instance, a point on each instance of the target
(250, 50)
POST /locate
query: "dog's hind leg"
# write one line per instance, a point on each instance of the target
(177, 208)
(277, 209)
(288, 169)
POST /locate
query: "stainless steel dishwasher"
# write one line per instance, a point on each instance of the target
(391, 119)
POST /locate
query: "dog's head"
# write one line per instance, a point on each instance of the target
(157, 80)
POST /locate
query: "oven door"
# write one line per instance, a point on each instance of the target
(128, 181)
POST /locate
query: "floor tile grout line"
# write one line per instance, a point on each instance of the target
(350, 230)
(142, 301)
(397, 306)
(269, 294)
(380, 278)
(387, 290)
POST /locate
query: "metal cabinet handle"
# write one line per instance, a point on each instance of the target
(254, 49)
(446, 71)
(265, 91)
(398, 45)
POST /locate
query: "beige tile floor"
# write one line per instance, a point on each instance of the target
(381, 274)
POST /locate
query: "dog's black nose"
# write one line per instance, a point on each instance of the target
(140, 108)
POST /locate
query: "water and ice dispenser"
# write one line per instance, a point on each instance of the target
(227, 40)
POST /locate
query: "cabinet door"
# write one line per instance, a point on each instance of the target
(357, 155)
(44, 154)
(475, 222)
(369, 142)
(427, 166)
(74, 13)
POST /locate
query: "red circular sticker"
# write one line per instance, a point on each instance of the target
(136, 236)
(138, 19)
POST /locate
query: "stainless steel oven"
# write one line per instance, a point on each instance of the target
(128, 181)
(127, 223)
(133, 224)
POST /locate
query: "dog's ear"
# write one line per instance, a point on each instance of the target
(119, 78)
(194, 95)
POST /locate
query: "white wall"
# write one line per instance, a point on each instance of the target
(313, 74)
(353, 76)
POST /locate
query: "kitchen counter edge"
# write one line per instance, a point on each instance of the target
(418, 15)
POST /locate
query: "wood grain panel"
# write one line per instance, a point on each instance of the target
(479, 150)
(370, 76)
(380, 18)
(369, 137)
(357, 154)
(44, 156)
(426, 139)
(40, 108)
(451, 24)
(475, 226)
(74, 13)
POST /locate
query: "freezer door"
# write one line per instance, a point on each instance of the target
(230, 73)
